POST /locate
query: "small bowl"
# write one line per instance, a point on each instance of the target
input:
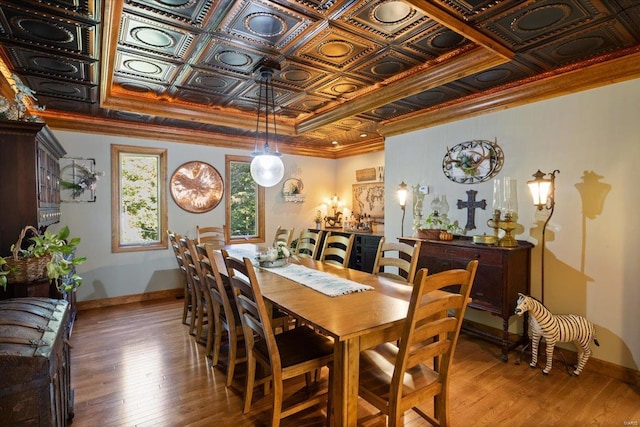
(485, 240)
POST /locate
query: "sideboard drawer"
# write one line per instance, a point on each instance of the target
(468, 254)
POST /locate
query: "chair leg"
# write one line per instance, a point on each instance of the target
(187, 302)
(194, 309)
(231, 365)
(276, 413)
(214, 340)
(251, 377)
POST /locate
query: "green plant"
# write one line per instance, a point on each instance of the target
(59, 246)
(437, 222)
(4, 272)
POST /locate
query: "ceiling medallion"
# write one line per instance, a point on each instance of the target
(392, 12)
(233, 59)
(153, 37)
(335, 48)
(473, 161)
(265, 24)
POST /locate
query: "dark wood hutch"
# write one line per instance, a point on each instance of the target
(29, 193)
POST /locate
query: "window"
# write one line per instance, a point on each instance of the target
(244, 202)
(138, 198)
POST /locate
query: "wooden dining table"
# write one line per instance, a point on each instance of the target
(356, 321)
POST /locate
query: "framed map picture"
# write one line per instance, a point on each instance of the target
(368, 199)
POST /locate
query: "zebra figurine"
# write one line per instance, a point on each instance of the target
(555, 329)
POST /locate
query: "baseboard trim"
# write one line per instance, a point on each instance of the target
(621, 373)
(127, 299)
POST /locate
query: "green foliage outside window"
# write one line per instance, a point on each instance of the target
(244, 201)
(139, 182)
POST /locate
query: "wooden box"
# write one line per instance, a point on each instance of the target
(35, 380)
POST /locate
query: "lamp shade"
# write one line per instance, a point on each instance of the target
(541, 188)
(267, 169)
(402, 194)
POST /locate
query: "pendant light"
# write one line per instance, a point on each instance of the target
(267, 168)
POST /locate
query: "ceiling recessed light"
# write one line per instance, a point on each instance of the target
(334, 142)
(363, 135)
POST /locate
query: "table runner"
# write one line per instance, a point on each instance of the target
(320, 281)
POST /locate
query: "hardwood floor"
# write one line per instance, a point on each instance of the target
(137, 365)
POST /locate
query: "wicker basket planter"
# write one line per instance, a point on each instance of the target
(25, 270)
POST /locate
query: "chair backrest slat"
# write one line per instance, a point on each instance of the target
(337, 249)
(400, 256)
(308, 243)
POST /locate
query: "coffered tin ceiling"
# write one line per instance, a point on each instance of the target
(350, 71)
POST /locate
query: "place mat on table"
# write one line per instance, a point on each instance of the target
(320, 281)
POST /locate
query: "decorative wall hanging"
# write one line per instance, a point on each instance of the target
(471, 205)
(368, 199)
(196, 187)
(78, 179)
(292, 190)
(368, 174)
(473, 161)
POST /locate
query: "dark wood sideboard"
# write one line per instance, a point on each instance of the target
(502, 273)
(364, 250)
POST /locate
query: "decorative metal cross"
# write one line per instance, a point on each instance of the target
(471, 204)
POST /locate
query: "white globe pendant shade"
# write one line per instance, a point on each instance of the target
(267, 169)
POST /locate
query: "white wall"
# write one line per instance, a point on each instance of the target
(591, 265)
(108, 275)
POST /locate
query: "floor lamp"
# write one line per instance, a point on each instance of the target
(402, 199)
(543, 191)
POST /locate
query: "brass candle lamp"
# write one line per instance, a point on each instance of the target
(504, 201)
(506, 224)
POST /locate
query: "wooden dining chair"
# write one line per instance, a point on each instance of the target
(202, 307)
(226, 320)
(337, 249)
(188, 292)
(213, 235)
(308, 243)
(282, 356)
(397, 260)
(394, 378)
(284, 235)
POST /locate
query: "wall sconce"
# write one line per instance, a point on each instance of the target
(543, 191)
(335, 204)
(402, 199)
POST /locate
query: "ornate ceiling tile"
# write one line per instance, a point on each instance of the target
(592, 41)
(53, 65)
(343, 87)
(154, 38)
(265, 24)
(537, 22)
(386, 19)
(46, 31)
(71, 90)
(190, 12)
(336, 48)
(435, 41)
(385, 65)
(211, 82)
(144, 67)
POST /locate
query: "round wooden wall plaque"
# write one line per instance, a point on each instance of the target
(196, 187)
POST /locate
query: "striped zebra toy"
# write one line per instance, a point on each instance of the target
(556, 328)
